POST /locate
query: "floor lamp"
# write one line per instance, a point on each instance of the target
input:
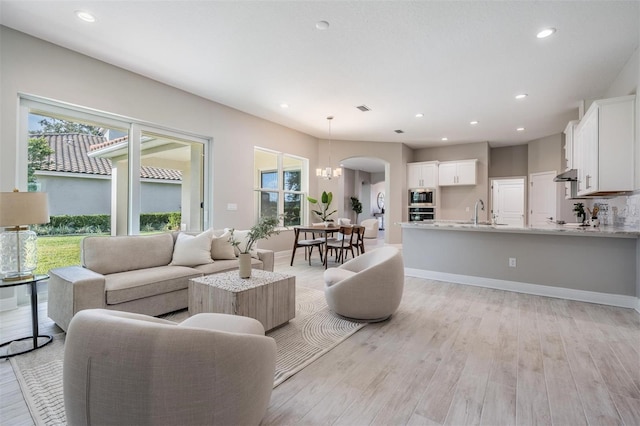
(18, 249)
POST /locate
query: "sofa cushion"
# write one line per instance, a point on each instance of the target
(225, 265)
(132, 285)
(242, 236)
(221, 248)
(108, 255)
(191, 250)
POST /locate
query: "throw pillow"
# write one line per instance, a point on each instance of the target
(243, 237)
(190, 250)
(221, 248)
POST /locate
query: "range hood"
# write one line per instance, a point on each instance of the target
(568, 176)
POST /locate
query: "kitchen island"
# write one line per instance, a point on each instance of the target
(592, 264)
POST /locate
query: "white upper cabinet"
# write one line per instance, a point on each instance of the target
(569, 134)
(461, 172)
(603, 149)
(422, 175)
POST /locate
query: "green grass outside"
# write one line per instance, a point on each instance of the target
(57, 251)
(62, 250)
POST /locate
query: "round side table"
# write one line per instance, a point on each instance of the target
(33, 282)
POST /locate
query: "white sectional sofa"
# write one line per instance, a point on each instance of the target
(140, 274)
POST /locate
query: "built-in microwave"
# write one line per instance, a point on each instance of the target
(422, 197)
(419, 214)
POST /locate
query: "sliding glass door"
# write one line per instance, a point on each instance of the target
(145, 177)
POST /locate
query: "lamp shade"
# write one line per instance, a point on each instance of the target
(23, 208)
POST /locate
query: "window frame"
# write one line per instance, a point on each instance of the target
(280, 174)
(50, 107)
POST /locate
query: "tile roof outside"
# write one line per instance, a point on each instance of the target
(108, 143)
(70, 155)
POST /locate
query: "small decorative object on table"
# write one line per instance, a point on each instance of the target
(266, 226)
(594, 216)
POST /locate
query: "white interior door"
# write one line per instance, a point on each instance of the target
(507, 201)
(542, 198)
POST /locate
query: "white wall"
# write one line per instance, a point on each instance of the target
(32, 66)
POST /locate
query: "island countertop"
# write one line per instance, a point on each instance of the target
(550, 229)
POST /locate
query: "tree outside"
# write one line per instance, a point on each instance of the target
(38, 152)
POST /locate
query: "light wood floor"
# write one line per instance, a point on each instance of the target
(452, 354)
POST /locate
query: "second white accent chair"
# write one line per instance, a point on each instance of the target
(370, 228)
(367, 288)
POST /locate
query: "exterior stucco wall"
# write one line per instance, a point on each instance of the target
(75, 195)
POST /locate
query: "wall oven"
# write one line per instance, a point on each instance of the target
(422, 197)
(419, 214)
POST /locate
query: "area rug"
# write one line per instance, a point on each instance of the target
(313, 332)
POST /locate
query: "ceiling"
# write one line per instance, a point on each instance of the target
(452, 61)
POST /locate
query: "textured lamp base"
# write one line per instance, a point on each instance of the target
(18, 253)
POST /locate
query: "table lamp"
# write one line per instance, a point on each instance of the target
(18, 249)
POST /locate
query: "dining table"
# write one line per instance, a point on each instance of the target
(323, 231)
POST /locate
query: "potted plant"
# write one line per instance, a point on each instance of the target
(356, 206)
(578, 208)
(266, 226)
(323, 206)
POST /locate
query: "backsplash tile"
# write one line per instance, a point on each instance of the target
(620, 211)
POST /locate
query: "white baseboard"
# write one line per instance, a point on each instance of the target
(536, 289)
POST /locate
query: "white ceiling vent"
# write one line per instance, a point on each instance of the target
(363, 108)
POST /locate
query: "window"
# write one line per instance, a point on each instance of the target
(280, 185)
(143, 177)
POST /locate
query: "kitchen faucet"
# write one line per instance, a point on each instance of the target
(475, 211)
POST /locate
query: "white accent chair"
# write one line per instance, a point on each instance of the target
(367, 288)
(123, 368)
(370, 228)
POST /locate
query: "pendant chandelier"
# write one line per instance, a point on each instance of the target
(328, 172)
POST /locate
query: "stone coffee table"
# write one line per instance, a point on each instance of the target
(269, 297)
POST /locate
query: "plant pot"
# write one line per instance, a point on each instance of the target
(245, 265)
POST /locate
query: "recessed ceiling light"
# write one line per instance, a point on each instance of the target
(474, 122)
(444, 139)
(85, 16)
(419, 115)
(546, 32)
(520, 129)
(322, 25)
(521, 96)
(284, 106)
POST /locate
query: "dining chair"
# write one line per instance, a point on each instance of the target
(343, 244)
(359, 231)
(308, 245)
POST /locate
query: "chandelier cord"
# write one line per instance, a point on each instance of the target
(330, 118)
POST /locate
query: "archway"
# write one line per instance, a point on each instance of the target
(366, 179)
